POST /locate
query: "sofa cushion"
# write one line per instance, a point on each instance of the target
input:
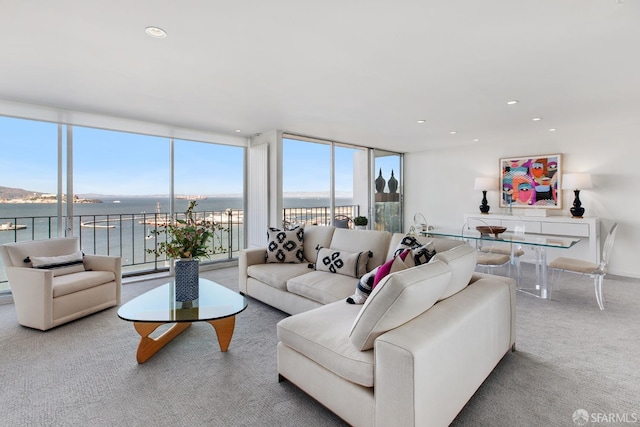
(462, 260)
(285, 246)
(322, 287)
(397, 299)
(314, 236)
(61, 265)
(363, 240)
(70, 283)
(322, 335)
(342, 262)
(276, 275)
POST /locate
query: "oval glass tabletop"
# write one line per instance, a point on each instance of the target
(159, 304)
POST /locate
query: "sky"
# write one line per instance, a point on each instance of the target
(119, 163)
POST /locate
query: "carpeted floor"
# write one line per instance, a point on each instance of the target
(570, 356)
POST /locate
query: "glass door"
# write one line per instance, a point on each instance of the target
(387, 191)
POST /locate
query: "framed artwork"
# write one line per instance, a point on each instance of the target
(531, 182)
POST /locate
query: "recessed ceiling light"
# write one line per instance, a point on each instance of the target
(156, 32)
(453, 132)
(476, 140)
(515, 101)
(421, 121)
(552, 130)
(537, 119)
(238, 130)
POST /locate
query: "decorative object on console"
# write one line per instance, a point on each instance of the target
(531, 182)
(380, 183)
(496, 230)
(392, 183)
(485, 184)
(576, 182)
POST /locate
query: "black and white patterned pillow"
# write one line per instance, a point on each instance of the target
(420, 253)
(342, 262)
(285, 245)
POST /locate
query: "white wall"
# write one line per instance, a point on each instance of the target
(439, 182)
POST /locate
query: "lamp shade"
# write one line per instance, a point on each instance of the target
(576, 181)
(484, 183)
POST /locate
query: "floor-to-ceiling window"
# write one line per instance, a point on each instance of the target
(327, 182)
(121, 184)
(212, 176)
(28, 181)
(388, 191)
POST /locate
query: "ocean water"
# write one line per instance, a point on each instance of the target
(121, 225)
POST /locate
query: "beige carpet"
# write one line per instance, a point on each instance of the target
(570, 356)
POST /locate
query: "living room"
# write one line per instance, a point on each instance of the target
(227, 73)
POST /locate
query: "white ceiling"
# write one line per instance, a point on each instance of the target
(355, 71)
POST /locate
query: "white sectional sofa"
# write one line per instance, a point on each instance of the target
(413, 354)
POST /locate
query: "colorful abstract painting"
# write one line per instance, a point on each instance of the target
(531, 182)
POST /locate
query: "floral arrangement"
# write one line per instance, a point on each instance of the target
(187, 238)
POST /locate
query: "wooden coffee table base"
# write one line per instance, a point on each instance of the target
(149, 346)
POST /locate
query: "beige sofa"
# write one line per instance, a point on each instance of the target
(413, 354)
(52, 295)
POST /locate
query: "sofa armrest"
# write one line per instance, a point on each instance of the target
(246, 258)
(32, 291)
(427, 369)
(106, 263)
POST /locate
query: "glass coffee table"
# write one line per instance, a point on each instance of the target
(216, 305)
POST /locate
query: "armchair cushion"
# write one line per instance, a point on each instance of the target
(61, 265)
(68, 284)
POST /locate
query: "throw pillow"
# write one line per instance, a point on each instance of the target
(391, 266)
(398, 299)
(285, 246)
(421, 253)
(61, 265)
(370, 280)
(341, 262)
(363, 288)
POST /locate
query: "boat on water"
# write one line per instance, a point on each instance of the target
(116, 201)
(97, 224)
(8, 226)
(191, 197)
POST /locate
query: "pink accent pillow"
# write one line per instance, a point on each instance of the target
(391, 266)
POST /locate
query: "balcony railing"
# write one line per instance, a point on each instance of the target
(126, 235)
(131, 235)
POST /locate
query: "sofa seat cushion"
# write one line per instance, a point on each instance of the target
(322, 335)
(276, 275)
(399, 298)
(75, 282)
(322, 287)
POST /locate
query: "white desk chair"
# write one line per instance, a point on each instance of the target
(586, 268)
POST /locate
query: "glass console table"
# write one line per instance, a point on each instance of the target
(539, 242)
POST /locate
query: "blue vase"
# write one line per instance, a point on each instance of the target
(187, 279)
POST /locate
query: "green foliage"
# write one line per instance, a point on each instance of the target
(189, 237)
(360, 220)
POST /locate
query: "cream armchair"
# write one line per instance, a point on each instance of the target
(49, 295)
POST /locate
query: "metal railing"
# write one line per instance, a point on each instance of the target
(126, 235)
(316, 215)
(131, 235)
